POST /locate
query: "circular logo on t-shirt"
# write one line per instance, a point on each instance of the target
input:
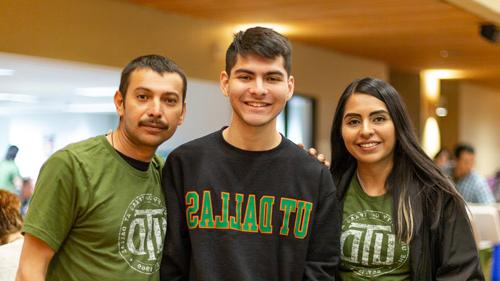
(369, 246)
(142, 232)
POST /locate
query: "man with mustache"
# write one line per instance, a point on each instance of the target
(98, 212)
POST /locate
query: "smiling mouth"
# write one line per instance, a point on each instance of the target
(256, 104)
(368, 145)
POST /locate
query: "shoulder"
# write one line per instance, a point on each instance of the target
(198, 145)
(477, 177)
(299, 156)
(83, 146)
(78, 152)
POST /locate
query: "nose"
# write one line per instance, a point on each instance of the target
(366, 129)
(154, 109)
(259, 87)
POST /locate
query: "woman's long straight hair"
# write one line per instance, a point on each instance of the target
(414, 175)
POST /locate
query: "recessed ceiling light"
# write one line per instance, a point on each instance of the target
(441, 111)
(6, 72)
(18, 98)
(96, 91)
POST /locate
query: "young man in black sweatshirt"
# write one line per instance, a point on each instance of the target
(245, 203)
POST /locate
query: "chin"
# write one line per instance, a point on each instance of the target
(153, 142)
(257, 122)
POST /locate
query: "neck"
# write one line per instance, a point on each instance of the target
(459, 174)
(121, 142)
(252, 138)
(373, 178)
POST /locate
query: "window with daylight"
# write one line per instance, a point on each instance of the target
(297, 121)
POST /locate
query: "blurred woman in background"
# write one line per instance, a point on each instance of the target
(11, 240)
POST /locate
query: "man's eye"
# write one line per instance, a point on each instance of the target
(244, 77)
(274, 78)
(171, 101)
(142, 97)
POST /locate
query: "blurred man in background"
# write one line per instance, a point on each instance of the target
(473, 187)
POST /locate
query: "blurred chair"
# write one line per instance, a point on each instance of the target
(485, 222)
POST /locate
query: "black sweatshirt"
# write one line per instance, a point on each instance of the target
(240, 215)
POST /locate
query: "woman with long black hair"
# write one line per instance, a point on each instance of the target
(402, 218)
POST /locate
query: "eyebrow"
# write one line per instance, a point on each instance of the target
(371, 113)
(247, 71)
(150, 91)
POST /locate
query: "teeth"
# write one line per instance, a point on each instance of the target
(256, 104)
(367, 145)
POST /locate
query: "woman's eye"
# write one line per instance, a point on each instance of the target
(379, 119)
(352, 122)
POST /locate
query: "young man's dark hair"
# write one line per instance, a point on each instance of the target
(260, 41)
(463, 147)
(156, 63)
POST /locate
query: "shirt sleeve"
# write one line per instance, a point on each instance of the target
(52, 209)
(324, 247)
(177, 247)
(459, 259)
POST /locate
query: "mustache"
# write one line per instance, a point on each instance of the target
(154, 122)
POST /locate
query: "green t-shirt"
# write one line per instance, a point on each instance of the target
(8, 172)
(104, 219)
(369, 247)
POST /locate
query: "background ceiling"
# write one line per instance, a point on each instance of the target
(408, 35)
(42, 85)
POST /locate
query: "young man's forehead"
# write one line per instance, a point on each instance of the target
(249, 58)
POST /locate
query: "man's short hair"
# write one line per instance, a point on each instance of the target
(10, 215)
(262, 42)
(461, 147)
(158, 64)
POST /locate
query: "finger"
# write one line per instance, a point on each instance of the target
(301, 145)
(321, 158)
(313, 152)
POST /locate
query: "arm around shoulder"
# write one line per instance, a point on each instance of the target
(35, 259)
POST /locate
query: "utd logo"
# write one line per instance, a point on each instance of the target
(368, 245)
(142, 231)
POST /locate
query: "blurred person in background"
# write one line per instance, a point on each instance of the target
(25, 195)
(494, 183)
(473, 187)
(10, 177)
(11, 240)
(443, 158)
